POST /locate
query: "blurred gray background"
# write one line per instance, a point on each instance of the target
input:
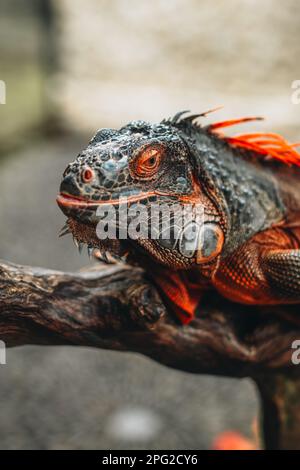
(71, 67)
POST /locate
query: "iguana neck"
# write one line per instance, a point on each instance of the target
(247, 189)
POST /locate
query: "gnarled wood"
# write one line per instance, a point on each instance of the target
(117, 307)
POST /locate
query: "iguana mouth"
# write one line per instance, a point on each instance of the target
(65, 200)
(86, 209)
(69, 201)
(72, 201)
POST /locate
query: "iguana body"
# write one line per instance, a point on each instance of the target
(248, 186)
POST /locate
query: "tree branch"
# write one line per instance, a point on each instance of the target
(116, 307)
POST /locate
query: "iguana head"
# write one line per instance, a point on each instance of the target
(146, 164)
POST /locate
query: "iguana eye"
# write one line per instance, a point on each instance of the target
(147, 162)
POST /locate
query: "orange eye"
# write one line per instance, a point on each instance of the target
(147, 163)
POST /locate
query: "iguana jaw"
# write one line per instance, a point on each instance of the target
(85, 210)
(65, 200)
(83, 219)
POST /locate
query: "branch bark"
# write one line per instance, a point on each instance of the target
(117, 307)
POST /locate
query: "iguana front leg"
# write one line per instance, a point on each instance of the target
(265, 270)
(282, 268)
(181, 290)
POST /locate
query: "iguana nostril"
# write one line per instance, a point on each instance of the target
(87, 175)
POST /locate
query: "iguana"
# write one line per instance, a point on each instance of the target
(248, 186)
